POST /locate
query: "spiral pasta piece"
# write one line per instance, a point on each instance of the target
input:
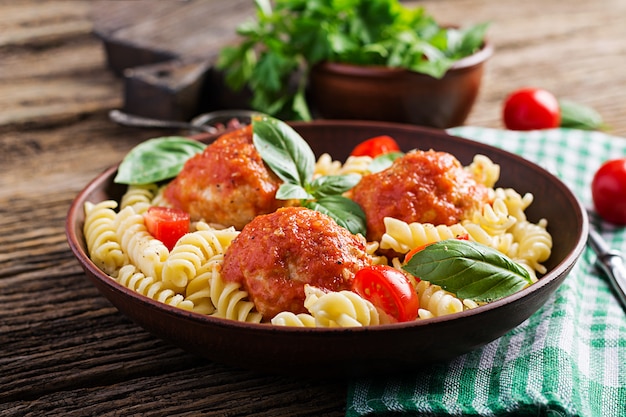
(339, 309)
(139, 197)
(494, 218)
(143, 250)
(198, 290)
(130, 277)
(435, 301)
(230, 301)
(402, 237)
(159, 198)
(325, 165)
(102, 243)
(484, 170)
(516, 204)
(287, 318)
(356, 165)
(192, 251)
(535, 244)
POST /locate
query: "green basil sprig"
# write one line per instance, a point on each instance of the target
(578, 116)
(157, 159)
(468, 269)
(293, 161)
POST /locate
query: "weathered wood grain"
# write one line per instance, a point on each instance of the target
(64, 349)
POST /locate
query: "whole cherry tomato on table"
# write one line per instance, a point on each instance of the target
(376, 146)
(388, 289)
(608, 189)
(531, 108)
(167, 224)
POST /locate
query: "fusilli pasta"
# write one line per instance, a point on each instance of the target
(230, 301)
(102, 243)
(434, 301)
(143, 250)
(339, 309)
(134, 279)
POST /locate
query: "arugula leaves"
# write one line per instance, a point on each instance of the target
(293, 161)
(278, 50)
(468, 269)
(157, 159)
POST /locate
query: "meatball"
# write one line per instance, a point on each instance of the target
(422, 186)
(276, 254)
(228, 183)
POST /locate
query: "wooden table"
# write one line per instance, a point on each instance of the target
(64, 350)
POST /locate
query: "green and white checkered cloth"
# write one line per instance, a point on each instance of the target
(568, 359)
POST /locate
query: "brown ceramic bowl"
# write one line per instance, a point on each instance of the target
(344, 91)
(357, 351)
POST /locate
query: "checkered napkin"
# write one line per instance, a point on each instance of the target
(568, 359)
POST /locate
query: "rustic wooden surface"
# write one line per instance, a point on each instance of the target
(64, 350)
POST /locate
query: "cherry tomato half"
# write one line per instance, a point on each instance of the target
(608, 189)
(376, 146)
(531, 108)
(167, 224)
(388, 289)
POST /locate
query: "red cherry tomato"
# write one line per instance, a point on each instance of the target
(388, 289)
(531, 108)
(608, 189)
(167, 224)
(376, 146)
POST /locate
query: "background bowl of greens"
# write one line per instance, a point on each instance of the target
(347, 91)
(356, 350)
(363, 59)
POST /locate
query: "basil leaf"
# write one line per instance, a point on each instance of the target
(344, 211)
(468, 269)
(157, 159)
(283, 150)
(288, 191)
(384, 161)
(328, 185)
(578, 116)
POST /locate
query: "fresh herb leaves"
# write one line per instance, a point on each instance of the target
(278, 50)
(578, 116)
(293, 161)
(157, 159)
(468, 269)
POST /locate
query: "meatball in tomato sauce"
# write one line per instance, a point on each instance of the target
(276, 254)
(422, 186)
(228, 183)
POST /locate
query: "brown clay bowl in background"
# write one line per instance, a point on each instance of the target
(357, 351)
(345, 91)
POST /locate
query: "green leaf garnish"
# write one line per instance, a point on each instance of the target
(329, 185)
(578, 116)
(468, 269)
(157, 159)
(344, 211)
(283, 150)
(292, 160)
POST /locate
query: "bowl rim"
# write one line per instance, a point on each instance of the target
(76, 208)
